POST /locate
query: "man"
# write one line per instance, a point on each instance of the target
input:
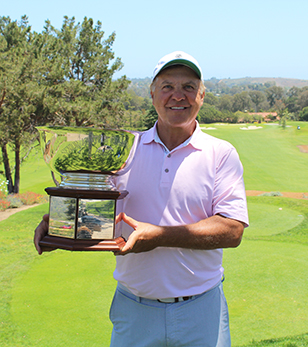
(186, 202)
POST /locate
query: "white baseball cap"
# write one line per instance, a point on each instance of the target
(178, 58)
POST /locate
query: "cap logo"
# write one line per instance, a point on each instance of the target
(178, 56)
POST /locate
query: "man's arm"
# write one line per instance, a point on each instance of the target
(211, 233)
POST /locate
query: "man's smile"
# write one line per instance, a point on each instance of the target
(177, 108)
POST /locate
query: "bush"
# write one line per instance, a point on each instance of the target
(271, 194)
(30, 198)
(17, 200)
(4, 205)
(3, 188)
(14, 201)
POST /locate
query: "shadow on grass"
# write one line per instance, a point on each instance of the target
(291, 341)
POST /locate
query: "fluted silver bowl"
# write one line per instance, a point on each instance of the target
(86, 157)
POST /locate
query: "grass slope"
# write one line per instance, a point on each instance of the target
(271, 158)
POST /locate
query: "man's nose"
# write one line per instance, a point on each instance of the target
(178, 95)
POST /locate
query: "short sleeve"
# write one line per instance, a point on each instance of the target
(229, 196)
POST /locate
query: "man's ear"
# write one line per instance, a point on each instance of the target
(152, 96)
(202, 97)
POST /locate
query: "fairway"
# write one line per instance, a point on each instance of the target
(270, 155)
(70, 300)
(62, 298)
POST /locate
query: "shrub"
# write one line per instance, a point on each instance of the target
(14, 201)
(30, 198)
(17, 200)
(4, 205)
(271, 194)
(3, 188)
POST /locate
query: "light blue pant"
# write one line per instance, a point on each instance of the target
(200, 322)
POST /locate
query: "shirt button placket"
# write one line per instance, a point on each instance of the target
(166, 170)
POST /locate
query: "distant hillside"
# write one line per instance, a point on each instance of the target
(141, 86)
(279, 81)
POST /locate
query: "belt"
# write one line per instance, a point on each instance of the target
(173, 300)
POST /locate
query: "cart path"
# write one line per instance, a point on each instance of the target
(284, 194)
(10, 211)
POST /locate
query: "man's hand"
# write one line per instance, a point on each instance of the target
(210, 233)
(144, 238)
(40, 232)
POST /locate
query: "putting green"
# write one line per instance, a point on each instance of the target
(266, 290)
(269, 220)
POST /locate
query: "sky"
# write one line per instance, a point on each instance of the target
(229, 38)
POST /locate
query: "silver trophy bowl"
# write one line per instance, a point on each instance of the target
(84, 206)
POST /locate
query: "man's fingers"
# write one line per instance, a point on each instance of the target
(40, 231)
(130, 221)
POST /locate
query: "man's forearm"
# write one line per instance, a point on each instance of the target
(211, 233)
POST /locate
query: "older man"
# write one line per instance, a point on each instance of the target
(186, 202)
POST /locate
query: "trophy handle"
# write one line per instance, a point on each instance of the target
(54, 179)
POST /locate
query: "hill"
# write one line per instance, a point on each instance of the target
(278, 81)
(141, 86)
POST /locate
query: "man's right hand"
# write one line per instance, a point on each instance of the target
(40, 232)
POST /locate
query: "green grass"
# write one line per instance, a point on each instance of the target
(63, 298)
(35, 174)
(59, 299)
(271, 158)
(265, 283)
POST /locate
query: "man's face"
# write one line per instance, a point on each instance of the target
(177, 97)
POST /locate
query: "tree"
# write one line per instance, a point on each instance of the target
(258, 98)
(303, 115)
(241, 102)
(210, 98)
(303, 98)
(273, 94)
(86, 93)
(19, 91)
(150, 118)
(225, 103)
(58, 77)
(209, 114)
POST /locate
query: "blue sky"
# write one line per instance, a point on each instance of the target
(229, 38)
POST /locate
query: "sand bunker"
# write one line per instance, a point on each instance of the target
(303, 148)
(251, 127)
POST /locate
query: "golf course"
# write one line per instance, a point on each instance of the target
(62, 298)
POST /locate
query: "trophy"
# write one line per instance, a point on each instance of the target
(83, 208)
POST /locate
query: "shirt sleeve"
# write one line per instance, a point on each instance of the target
(229, 196)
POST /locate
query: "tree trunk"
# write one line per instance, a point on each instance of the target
(8, 176)
(17, 167)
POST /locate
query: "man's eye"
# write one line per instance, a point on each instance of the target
(189, 87)
(167, 87)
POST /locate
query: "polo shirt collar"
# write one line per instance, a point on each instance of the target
(152, 136)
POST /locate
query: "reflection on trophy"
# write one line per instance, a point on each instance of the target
(84, 206)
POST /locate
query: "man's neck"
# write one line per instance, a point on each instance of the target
(173, 137)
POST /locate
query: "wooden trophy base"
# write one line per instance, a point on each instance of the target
(49, 243)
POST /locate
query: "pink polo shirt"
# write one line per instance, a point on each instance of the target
(194, 181)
